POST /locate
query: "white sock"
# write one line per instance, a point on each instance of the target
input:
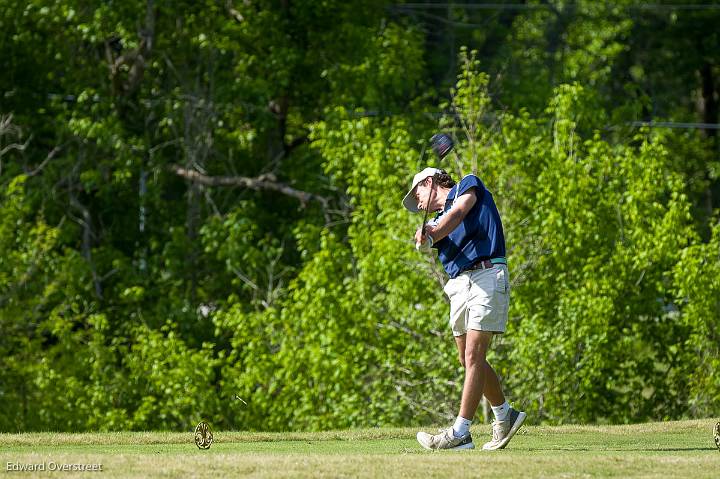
(461, 426)
(501, 411)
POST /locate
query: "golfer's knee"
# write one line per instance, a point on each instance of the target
(461, 358)
(474, 358)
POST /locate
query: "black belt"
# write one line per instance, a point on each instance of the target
(481, 265)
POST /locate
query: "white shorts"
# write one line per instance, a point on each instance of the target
(479, 300)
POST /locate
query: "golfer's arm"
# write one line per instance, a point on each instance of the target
(454, 217)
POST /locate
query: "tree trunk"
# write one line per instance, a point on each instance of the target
(709, 103)
(708, 110)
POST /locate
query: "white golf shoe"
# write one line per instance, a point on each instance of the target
(445, 440)
(503, 431)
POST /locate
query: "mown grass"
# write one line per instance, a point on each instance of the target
(671, 449)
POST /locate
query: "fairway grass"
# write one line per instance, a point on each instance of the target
(655, 450)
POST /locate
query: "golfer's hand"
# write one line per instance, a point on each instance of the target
(419, 236)
(423, 242)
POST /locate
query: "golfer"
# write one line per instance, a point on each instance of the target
(468, 235)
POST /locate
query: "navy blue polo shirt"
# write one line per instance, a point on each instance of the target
(479, 236)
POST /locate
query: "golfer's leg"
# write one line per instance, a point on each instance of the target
(492, 390)
(476, 347)
(460, 342)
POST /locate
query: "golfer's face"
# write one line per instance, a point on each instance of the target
(422, 194)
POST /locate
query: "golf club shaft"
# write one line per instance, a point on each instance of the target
(427, 206)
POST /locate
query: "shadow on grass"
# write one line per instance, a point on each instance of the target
(634, 449)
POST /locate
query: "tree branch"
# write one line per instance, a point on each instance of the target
(7, 128)
(88, 235)
(135, 60)
(49, 157)
(263, 182)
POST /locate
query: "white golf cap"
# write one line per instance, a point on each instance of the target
(410, 202)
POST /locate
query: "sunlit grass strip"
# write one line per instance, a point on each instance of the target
(152, 437)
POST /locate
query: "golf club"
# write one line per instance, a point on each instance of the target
(441, 144)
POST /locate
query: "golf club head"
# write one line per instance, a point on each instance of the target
(441, 144)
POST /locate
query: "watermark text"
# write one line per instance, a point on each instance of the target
(51, 466)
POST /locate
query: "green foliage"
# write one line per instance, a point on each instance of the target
(326, 351)
(698, 289)
(132, 297)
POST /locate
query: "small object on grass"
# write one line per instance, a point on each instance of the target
(717, 435)
(203, 435)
